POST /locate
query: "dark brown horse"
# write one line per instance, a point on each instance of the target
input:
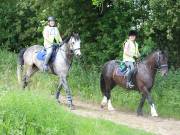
(143, 79)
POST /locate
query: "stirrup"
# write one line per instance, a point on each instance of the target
(129, 85)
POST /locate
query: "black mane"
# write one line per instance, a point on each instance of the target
(67, 38)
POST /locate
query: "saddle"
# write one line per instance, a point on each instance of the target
(123, 70)
(41, 55)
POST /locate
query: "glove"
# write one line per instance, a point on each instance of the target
(134, 57)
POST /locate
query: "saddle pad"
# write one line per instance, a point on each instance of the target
(41, 55)
(119, 72)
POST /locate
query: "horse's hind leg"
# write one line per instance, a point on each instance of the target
(153, 109)
(106, 99)
(103, 90)
(108, 86)
(150, 101)
(108, 95)
(29, 72)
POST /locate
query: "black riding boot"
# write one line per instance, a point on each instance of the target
(129, 82)
(48, 55)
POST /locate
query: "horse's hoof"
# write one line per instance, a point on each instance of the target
(111, 109)
(154, 115)
(58, 101)
(102, 106)
(72, 107)
(139, 113)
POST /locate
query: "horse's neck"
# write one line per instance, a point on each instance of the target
(150, 63)
(65, 51)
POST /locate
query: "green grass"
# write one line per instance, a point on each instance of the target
(85, 86)
(35, 113)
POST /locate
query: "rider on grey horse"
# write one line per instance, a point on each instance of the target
(50, 34)
(130, 53)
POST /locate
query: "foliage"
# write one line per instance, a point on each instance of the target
(163, 25)
(102, 24)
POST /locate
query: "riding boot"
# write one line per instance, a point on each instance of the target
(48, 55)
(129, 83)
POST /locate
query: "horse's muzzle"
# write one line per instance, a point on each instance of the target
(77, 53)
(164, 72)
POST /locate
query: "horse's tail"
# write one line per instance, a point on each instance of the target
(102, 84)
(20, 63)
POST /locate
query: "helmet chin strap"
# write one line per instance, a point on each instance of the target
(51, 26)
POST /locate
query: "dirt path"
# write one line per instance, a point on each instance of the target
(158, 126)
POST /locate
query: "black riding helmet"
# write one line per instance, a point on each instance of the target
(51, 18)
(132, 33)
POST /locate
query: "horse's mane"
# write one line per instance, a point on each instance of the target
(149, 55)
(67, 38)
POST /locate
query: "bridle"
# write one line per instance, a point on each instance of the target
(159, 65)
(71, 44)
(71, 51)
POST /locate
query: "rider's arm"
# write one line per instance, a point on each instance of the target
(138, 54)
(137, 51)
(58, 37)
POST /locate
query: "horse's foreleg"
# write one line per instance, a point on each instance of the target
(153, 109)
(110, 107)
(68, 92)
(150, 101)
(139, 110)
(104, 102)
(59, 90)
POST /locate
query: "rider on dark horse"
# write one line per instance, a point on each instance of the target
(130, 54)
(50, 34)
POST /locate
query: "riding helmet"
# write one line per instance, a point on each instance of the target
(132, 33)
(51, 18)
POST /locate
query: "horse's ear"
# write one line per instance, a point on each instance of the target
(157, 50)
(165, 52)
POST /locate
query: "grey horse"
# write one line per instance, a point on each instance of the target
(60, 66)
